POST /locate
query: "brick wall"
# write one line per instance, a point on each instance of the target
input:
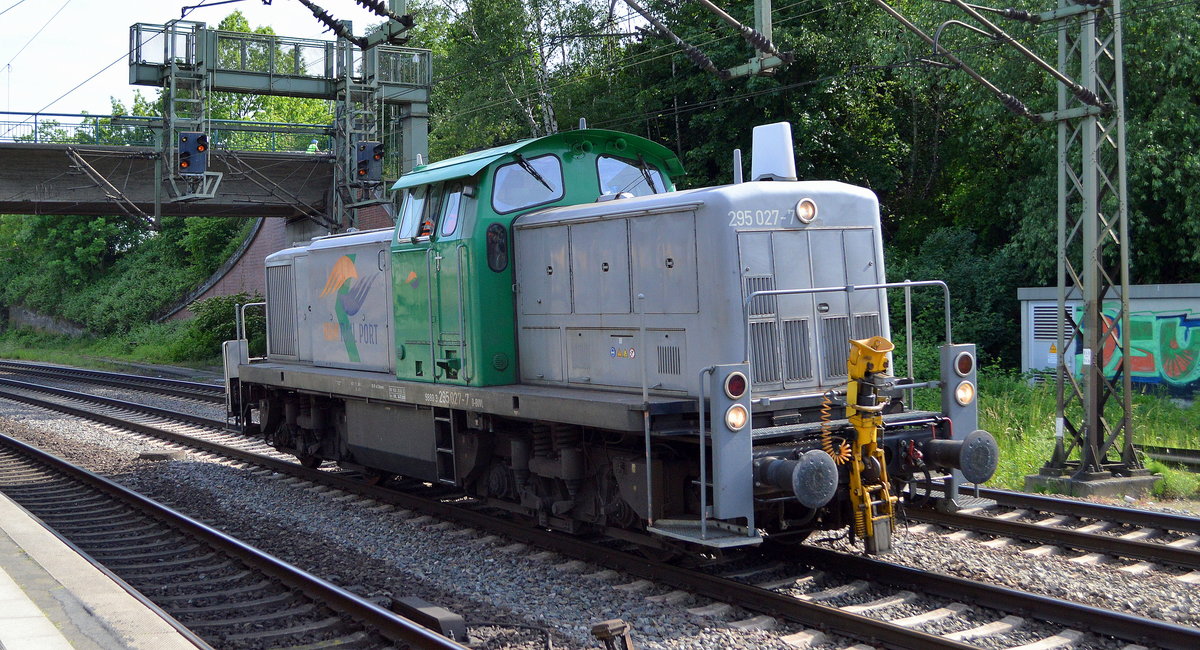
(248, 274)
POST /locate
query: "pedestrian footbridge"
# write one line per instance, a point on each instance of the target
(93, 165)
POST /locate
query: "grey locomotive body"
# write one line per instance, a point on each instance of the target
(678, 268)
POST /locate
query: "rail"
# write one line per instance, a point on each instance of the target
(145, 131)
(367, 613)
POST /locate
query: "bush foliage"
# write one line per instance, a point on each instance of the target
(215, 322)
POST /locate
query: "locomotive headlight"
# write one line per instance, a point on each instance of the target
(736, 417)
(806, 210)
(964, 363)
(964, 393)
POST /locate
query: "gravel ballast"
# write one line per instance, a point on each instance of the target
(379, 552)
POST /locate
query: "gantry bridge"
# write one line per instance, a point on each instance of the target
(87, 164)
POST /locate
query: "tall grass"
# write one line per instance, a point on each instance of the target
(1022, 417)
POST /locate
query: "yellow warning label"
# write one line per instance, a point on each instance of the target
(1053, 349)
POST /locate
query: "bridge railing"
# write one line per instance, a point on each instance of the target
(137, 130)
(270, 64)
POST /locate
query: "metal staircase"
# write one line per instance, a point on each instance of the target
(187, 86)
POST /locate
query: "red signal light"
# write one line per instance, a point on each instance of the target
(735, 385)
(183, 163)
(201, 147)
(964, 363)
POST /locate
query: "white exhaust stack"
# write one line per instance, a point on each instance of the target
(773, 158)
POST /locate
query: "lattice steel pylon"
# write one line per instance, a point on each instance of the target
(1094, 406)
(1094, 415)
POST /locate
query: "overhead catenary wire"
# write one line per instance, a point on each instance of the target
(642, 59)
(11, 7)
(654, 54)
(80, 84)
(38, 33)
(916, 61)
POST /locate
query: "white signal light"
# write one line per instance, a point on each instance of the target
(736, 417)
(964, 393)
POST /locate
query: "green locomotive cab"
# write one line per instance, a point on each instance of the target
(452, 268)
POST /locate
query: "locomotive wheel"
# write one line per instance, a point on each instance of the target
(664, 554)
(310, 461)
(378, 476)
(790, 538)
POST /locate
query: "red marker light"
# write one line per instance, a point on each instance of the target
(735, 385)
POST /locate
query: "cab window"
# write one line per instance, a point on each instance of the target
(451, 208)
(636, 177)
(430, 215)
(526, 183)
(412, 211)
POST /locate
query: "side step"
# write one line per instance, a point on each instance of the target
(716, 533)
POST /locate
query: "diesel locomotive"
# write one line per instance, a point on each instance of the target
(554, 329)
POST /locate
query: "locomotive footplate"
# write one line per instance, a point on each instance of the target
(890, 421)
(597, 408)
(715, 533)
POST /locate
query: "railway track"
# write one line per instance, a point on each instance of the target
(825, 592)
(221, 592)
(1098, 532)
(198, 391)
(173, 426)
(1189, 459)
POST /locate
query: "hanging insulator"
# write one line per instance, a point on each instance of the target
(333, 24)
(1086, 96)
(702, 61)
(757, 39)
(1021, 14)
(381, 9)
(1013, 104)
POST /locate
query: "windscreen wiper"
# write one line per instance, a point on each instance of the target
(532, 172)
(645, 169)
